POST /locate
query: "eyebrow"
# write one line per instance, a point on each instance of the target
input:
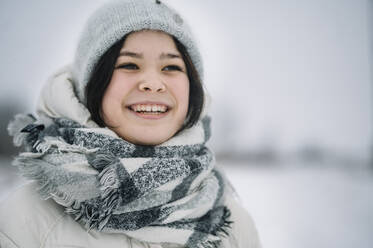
(131, 54)
(169, 56)
(141, 56)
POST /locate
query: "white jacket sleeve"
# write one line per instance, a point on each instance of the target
(18, 213)
(244, 233)
(6, 242)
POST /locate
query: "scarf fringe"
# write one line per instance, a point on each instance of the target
(97, 217)
(16, 128)
(101, 160)
(31, 168)
(210, 244)
(109, 181)
(223, 230)
(51, 142)
(94, 218)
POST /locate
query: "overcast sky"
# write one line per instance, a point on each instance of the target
(281, 72)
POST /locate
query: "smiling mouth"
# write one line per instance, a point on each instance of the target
(149, 109)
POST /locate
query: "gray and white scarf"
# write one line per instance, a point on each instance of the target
(169, 193)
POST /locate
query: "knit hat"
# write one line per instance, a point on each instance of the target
(117, 18)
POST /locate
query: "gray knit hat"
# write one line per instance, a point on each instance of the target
(117, 18)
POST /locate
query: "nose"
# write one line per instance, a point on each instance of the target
(152, 84)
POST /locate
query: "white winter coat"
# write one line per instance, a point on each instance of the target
(27, 221)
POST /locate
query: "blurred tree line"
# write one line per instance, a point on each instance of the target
(228, 146)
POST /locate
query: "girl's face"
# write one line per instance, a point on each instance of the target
(146, 101)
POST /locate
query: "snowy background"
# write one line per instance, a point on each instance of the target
(291, 87)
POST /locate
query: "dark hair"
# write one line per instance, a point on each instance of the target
(103, 71)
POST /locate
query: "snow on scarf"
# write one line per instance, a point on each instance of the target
(169, 193)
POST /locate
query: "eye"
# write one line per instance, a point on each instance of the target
(172, 68)
(128, 66)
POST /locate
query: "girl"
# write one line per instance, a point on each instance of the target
(117, 153)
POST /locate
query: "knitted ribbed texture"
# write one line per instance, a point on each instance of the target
(117, 18)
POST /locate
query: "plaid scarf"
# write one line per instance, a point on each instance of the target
(169, 193)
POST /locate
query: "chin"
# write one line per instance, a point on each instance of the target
(150, 136)
(148, 140)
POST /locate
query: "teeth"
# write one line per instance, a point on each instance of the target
(149, 108)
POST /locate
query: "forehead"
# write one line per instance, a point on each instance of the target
(149, 40)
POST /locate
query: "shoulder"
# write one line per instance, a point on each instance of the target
(244, 232)
(25, 218)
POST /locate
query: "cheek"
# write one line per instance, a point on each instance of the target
(182, 93)
(115, 93)
(119, 86)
